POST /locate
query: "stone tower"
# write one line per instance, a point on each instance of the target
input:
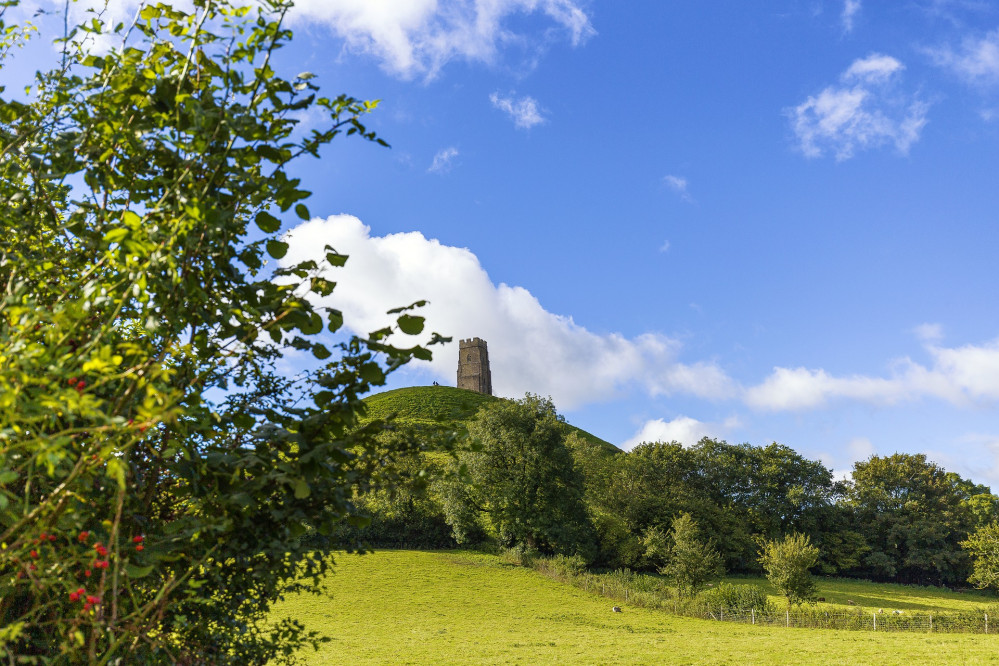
(473, 366)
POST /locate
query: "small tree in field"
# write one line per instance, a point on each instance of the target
(983, 545)
(787, 562)
(687, 560)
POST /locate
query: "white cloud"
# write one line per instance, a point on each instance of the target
(863, 111)
(530, 348)
(965, 375)
(418, 37)
(524, 111)
(875, 68)
(683, 429)
(664, 247)
(443, 159)
(679, 185)
(850, 10)
(931, 333)
(976, 61)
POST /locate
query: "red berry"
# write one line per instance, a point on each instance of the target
(80, 591)
(72, 380)
(91, 599)
(86, 606)
(87, 573)
(52, 537)
(84, 535)
(33, 567)
(34, 554)
(139, 548)
(138, 538)
(73, 596)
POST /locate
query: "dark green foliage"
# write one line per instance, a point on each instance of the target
(913, 515)
(523, 484)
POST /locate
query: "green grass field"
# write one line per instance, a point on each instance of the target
(437, 405)
(406, 607)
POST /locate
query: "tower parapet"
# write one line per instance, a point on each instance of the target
(473, 366)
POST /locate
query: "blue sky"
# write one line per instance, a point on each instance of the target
(755, 221)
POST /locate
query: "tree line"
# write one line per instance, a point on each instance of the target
(526, 481)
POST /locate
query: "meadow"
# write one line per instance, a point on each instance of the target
(411, 607)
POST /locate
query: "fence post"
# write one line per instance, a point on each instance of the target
(753, 613)
(875, 616)
(931, 621)
(721, 617)
(625, 594)
(986, 623)
(787, 618)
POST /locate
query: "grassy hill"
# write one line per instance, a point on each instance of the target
(406, 607)
(442, 405)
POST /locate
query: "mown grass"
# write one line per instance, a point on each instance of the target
(443, 405)
(406, 607)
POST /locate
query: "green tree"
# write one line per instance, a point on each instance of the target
(686, 560)
(522, 482)
(914, 515)
(787, 562)
(983, 545)
(156, 472)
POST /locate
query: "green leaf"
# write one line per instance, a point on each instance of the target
(302, 211)
(302, 489)
(320, 352)
(116, 470)
(336, 259)
(267, 222)
(410, 324)
(135, 571)
(277, 249)
(335, 321)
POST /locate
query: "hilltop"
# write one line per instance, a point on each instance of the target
(444, 405)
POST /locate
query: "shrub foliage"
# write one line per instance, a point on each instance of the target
(156, 473)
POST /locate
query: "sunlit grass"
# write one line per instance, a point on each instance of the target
(437, 608)
(840, 591)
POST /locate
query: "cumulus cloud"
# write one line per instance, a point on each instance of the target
(976, 61)
(418, 37)
(850, 10)
(864, 110)
(443, 159)
(530, 348)
(682, 429)
(964, 375)
(409, 37)
(524, 111)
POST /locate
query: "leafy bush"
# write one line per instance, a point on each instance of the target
(737, 597)
(157, 472)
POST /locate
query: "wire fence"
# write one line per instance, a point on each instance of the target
(652, 592)
(973, 622)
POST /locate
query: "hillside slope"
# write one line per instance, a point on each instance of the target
(443, 405)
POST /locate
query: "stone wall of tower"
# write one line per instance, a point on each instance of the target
(473, 366)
